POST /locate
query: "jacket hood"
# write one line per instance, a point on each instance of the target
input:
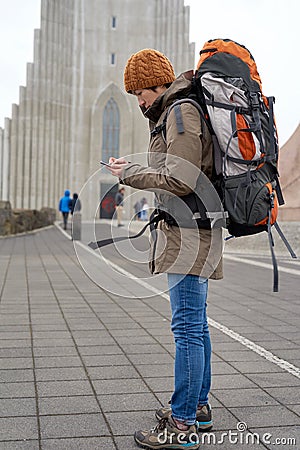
(180, 88)
(67, 193)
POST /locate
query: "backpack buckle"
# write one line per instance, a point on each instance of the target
(157, 129)
(272, 197)
(254, 100)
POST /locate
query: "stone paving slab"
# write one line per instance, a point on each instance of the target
(83, 368)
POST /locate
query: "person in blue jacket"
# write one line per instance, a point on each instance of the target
(64, 207)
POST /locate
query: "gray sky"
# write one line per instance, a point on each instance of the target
(268, 28)
(18, 19)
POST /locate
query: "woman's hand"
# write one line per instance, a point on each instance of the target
(116, 166)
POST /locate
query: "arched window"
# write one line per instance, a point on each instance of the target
(111, 130)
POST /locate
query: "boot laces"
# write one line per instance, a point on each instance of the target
(160, 426)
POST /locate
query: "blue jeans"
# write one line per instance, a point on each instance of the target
(188, 295)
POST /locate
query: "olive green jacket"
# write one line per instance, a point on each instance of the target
(174, 162)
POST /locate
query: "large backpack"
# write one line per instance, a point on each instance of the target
(228, 87)
(245, 137)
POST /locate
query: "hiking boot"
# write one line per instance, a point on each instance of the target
(166, 435)
(203, 416)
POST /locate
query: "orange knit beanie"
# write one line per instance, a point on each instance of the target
(147, 68)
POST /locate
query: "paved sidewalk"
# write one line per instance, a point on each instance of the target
(83, 368)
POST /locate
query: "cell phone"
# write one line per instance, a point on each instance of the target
(104, 163)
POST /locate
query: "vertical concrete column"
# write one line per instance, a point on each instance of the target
(165, 26)
(5, 159)
(189, 50)
(69, 100)
(28, 137)
(190, 55)
(13, 155)
(52, 176)
(158, 27)
(192, 52)
(81, 166)
(68, 91)
(67, 80)
(74, 95)
(170, 18)
(21, 148)
(57, 34)
(58, 99)
(183, 42)
(47, 95)
(178, 34)
(1, 162)
(42, 74)
(62, 42)
(80, 156)
(173, 33)
(36, 151)
(173, 25)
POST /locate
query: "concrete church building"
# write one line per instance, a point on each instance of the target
(73, 111)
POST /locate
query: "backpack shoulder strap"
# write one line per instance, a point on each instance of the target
(155, 217)
(178, 117)
(217, 153)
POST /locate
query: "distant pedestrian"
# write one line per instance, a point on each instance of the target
(137, 210)
(119, 201)
(64, 207)
(75, 204)
(145, 208)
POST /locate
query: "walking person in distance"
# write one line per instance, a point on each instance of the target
(119, 201)
(64, 207)
(75, 204)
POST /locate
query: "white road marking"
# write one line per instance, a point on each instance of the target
(251, 262)
(269, 356)
(285, 365)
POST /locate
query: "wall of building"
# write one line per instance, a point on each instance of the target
(289, 163)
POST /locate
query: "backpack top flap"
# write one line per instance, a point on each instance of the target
(236, 53)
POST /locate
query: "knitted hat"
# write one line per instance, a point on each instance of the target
(147, 68)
